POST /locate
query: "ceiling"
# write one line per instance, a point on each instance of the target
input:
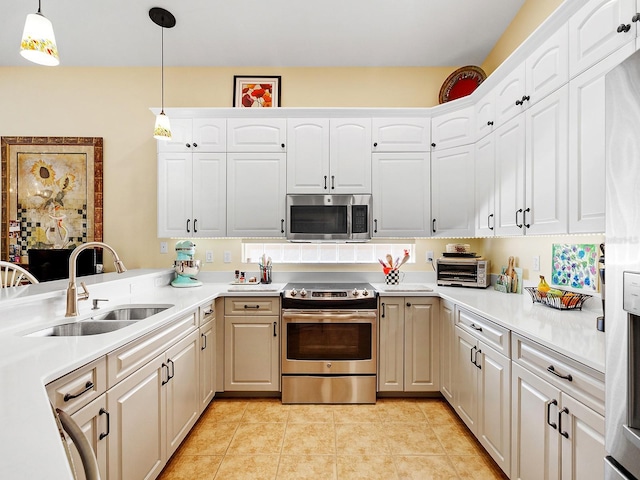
(265, 33)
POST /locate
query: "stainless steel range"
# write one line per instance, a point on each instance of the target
(329, 341)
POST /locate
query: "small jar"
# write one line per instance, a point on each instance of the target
(241, 279)
(237, 277)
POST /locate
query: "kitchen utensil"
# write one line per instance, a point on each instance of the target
(185, 266)
(389, 260)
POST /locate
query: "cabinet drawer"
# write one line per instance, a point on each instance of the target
(206, 313)
(78, 388)
(130, 357)
(252, 306)
(490, 333)
(579, 381)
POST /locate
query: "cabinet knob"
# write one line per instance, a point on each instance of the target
(195, 145)
(433, 145)
(282, 145)
(375, 144)
(622, 28)
(408, 304)
(490, 122)
(188, 145)
(635, 18)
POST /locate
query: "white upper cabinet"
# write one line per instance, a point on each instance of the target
(350, 155)
(509, 95)
(401, 200)
(453, 129)
(401, 134)
(485, 115)
(308, 155)
(260, 135)
(452, 192)
(485, 186)
(195, 135)
(256, 194)
(599, 28)
(547, 69)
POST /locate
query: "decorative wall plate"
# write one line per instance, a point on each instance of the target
(461, 83)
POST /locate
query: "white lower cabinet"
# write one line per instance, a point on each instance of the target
(447, 330)
(252, 344)
(408, 355)
(482, 394)
(207, 354)
(152, 410)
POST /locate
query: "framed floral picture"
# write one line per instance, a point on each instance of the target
(256, 91)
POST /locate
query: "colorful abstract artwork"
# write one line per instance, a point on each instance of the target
(256, 92)
(575, 265)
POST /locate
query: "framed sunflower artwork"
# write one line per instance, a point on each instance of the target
(51, 194)
(256, 91)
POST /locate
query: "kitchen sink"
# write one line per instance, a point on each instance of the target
(80, 329)
(109, 321)
(133, 312)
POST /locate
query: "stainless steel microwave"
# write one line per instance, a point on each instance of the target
(329, 218)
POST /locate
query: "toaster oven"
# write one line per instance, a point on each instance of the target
(463, 272)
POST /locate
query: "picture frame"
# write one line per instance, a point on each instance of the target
(52, 193)
(256, 91)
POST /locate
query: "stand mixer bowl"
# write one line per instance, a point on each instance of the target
(186, 267)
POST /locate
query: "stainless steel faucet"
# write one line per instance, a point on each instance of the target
(72, 291)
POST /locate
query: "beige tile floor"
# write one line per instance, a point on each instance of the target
(393, 439)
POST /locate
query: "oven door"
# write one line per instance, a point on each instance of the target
(329, 342)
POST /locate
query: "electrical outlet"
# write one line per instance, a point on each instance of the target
(209, 256)
(164, 247)
(430, 256)
(227, 257)
(536, 263)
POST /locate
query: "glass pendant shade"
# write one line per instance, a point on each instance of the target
(162, 130)
(38, 42)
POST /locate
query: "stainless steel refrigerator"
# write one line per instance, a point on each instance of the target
(622, 238)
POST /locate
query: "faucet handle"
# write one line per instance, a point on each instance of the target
(96, 300)
(85, 294)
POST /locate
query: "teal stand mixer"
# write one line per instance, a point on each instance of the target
(185, 266)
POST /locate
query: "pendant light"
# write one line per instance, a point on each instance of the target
(164, 19)
(38, 42)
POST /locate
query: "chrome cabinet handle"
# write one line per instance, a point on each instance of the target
(519, 225)
(70, 396)
(549, 422)
(104, 434)
(564, 434)
(551, 369)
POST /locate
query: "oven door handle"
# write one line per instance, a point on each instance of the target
(332, 315)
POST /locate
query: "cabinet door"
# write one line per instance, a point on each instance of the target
(175, 201)
(401, 134)
(256, 195)
(453, 129)
(485, 186)
(183, 404)
(391, 345)
(494, 405)
(181, 137)
(209, 135)
(535, 443)
(207, 349)
(93, 420)
(209, 186)
(465, 390)
(447, 349)
(252, 359)
(587, 148)
(485, 115)
(452, 192)
(266, 135)
(547, 68)
(510, 170)
(583, 449)
(421, 356)
(350, 153)
(509, 95)
(401, 205)
(594, 32)
(137, 405)
(308, 155)
(546, 174)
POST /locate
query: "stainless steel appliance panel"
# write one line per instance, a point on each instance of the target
(329, 389)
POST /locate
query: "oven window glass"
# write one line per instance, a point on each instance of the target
(329, 341)
(459, 272)
(318, 219)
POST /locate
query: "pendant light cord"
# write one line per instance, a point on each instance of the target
(162, 69)
(39, 7)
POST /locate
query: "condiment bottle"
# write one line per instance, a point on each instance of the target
(241, 279)
(237, 276)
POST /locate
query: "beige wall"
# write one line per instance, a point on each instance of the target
(529, 17)
(114, 103)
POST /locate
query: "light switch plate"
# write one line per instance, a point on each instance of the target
(164, 247)
(536, 263)
(227, 257)
(209, 256)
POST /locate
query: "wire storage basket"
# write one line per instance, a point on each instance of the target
(566, 301)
